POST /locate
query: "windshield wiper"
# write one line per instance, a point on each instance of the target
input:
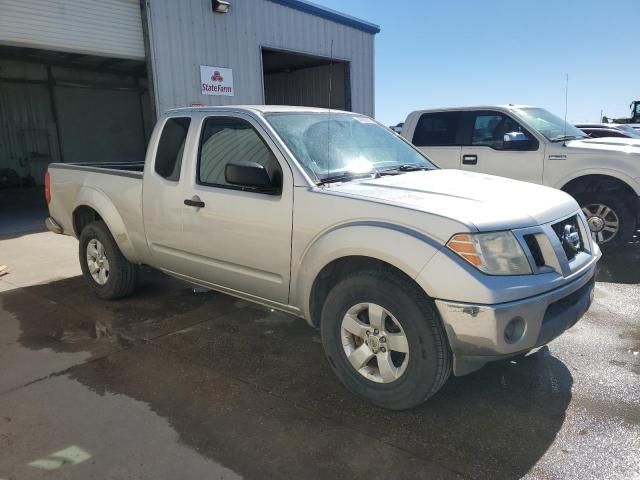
(346, 177)
(564, 138)
(403, 168)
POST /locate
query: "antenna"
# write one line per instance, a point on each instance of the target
(566, 107)
(329, 115)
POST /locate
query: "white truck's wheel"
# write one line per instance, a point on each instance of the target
(611, 222)
(109, 274)
(383, 337)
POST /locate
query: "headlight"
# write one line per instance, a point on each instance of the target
(495, 253)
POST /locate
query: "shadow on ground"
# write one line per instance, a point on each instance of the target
(22, 211)
(250, 388)
(621, 266)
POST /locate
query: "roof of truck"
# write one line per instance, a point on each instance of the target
(253, 108)
(475, 107)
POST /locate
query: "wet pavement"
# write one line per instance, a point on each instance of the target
(172, 383)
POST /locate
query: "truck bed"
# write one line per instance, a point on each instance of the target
(109, 168)
(112, 188)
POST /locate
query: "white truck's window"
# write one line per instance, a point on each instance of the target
(171, 147)
(437, 129)
(553, 128)
(489, 129)
(226, 140)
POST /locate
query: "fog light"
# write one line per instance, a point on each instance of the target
(514, 330)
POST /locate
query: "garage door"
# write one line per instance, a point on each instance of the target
(110, 28)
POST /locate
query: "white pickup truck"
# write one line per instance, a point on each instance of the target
(533, 145)
(409, 271)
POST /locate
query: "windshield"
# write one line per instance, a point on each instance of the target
(546, 123)
(632, 132)
(332, 144)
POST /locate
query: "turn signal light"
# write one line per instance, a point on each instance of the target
(464, 246)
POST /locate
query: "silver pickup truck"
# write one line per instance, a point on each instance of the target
(409, 271)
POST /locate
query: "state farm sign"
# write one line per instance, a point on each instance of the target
(216, 81)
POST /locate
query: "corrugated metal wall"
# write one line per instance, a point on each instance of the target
(307, 86)
(110, 28)
(28, 137)
(185, 34)
(101, 117)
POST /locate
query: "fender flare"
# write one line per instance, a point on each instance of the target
(102, 204)
(631, 182)
(406, 249)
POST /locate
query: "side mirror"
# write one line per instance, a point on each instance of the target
(248, 174)
(516, 141)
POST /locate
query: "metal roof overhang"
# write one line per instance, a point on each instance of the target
(330, 14)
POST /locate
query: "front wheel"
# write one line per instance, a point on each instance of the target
(109, 274)
(383, 337)
(611, 222)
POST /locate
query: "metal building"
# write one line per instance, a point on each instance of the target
(83, 80)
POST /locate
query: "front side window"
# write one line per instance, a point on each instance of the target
(489, 129)
(171, 148)
(225, 140)
(437, 129)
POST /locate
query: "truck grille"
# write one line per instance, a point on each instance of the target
(570, 236)
(534, 248)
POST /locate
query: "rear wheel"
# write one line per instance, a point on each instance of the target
(611, 222)
(109, 274)
(383, 337)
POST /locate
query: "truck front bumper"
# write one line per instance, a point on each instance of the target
(479, 334)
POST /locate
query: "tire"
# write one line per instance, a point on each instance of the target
(121, 275)
(405, 306)
(618, 211)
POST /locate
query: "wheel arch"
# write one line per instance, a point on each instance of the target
(92, 205)
(598, 182)
(592, 180)
(353, 248)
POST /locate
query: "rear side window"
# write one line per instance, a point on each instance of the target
(440, 128)
(226, 140)
(171, 148)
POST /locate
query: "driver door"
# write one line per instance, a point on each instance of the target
(237, 237)
(487, 152)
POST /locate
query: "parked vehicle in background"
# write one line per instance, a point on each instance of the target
(531, 144)
(601, 130)
(397, 128)
(634, 117)
(409, 271)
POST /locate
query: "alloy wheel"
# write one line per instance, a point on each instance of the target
(375, 343)
(97, 261)
(603, 222)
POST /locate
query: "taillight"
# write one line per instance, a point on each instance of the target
(47, 188)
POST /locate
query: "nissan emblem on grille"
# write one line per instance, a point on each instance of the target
(571, 237)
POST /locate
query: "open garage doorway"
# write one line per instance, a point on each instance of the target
(303, 80)
(64, 107)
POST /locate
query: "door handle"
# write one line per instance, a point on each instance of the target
(194, 202)
(470, 159)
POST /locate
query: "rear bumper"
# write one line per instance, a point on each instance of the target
(53, 226)
(477, 332)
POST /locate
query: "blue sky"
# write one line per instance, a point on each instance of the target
(463, 52)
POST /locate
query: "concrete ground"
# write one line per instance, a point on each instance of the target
(176, 384)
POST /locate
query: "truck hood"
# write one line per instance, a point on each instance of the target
(623, 145)
(483, 202)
